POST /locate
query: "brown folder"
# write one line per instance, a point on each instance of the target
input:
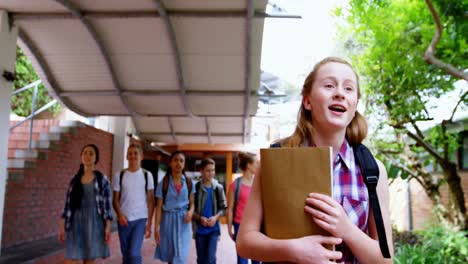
(288, 176)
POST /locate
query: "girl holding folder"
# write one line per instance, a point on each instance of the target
(328, 117)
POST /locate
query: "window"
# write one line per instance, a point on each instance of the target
(463, 151)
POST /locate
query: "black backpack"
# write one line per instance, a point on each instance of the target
(237, 187)
(370, 173)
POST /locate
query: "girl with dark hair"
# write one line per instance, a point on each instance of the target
(87, 215)
(174, 211)
(328, 117)
(239, 192)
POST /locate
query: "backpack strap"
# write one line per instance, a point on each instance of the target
(165, 187)
(120, 179)
(145, 172)
(370, 173)
(197, 195)
(237, 188)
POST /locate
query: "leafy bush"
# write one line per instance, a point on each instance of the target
(434, 245)
(25, 74)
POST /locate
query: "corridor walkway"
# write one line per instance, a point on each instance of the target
(226, 253)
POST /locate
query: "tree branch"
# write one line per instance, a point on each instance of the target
(462, 98)
(418, 131)
(426, 146)
(429, 54)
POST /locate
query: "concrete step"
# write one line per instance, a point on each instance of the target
(71, 123)
(15, 174)
(50, 136)
(59, 129)
(21, 164)
(29, 154)
(45, 144)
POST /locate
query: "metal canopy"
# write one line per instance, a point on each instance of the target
(184, 71)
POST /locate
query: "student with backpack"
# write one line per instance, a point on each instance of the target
(356, 218)
(174, 211)
(134, 204)
(210, 204)
(239, 192)
(87, 215)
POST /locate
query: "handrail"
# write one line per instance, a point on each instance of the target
(40, 110)
(36, 83)
(33, 109)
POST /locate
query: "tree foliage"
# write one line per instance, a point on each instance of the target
(25, 74)
(386, 41)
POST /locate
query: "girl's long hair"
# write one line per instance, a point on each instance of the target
(76, 193)
(356, 130)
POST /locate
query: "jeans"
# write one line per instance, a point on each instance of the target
(131, 241)
(239, 259)
(206, 248)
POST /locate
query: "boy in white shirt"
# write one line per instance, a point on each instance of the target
(134, 204)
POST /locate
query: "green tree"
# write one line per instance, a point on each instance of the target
(25, 74)
(387, 41)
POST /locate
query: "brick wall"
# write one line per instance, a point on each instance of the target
(421, 205)
(33, 205)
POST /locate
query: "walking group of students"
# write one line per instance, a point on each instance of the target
(183, 209)
(328, 117)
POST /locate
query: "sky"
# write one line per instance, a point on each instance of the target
(292, 46)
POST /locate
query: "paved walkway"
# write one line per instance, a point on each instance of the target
(226, 253)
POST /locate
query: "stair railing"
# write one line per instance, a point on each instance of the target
(34, 113)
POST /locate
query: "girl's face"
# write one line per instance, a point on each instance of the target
(333, 98)
(88, 156)
(177, 163)
(208, 172)
(252, 167)
(134, 156)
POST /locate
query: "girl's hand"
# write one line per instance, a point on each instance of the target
(310, 249)
(188, 217)
(231, 233)
(107, 235)
(61, 236)
(156, 236)
(328, 214)
(147, 231)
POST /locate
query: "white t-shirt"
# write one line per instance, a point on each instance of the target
(133, 201)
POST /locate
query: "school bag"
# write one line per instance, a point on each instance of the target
(370, 173)
(165, 187)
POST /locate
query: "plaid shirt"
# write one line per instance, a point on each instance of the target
(103, 201)
(349, 189)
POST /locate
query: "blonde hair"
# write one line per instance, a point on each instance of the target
(356, 130)
(137, 147)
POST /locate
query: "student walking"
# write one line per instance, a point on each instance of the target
(210, 204)
(239, 192)
(134, 204)
(174, 211)
(87, 215)
(328, 117)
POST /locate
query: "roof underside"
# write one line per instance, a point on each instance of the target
(185, 71)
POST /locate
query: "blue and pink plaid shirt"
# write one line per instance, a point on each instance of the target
(349, 189)
(103, 200)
